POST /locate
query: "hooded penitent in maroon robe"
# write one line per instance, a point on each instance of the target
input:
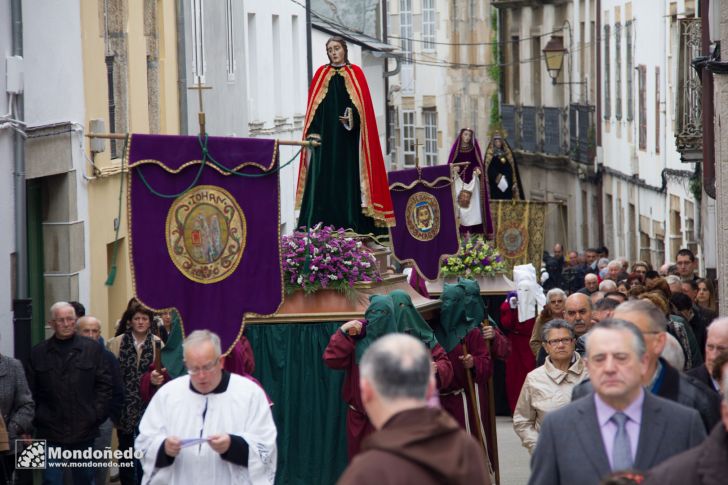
(520, 361)
(455, 399)
(464, 150)
(340, 354)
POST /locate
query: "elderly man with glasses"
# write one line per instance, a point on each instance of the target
(209, 426)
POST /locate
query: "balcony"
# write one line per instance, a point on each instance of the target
(555, 132)
(689, 129)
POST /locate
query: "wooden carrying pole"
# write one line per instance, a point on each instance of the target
(476, 411)
(491, 416)
(122, 136)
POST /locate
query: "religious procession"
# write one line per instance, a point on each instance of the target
(364, 241)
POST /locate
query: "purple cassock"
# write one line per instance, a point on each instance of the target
(426, 230)
(473, 156)
(205, 239)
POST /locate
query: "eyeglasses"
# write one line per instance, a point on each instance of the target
(557, 341)
(205, 368)
(65, 320)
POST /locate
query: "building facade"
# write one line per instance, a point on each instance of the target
(548, 117)
(650, 211)
(445, 80)
(129, 53)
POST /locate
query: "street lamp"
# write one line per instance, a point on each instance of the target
(554, 52)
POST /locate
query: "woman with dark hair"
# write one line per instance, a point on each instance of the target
(343, 182)
(706, 298)
(136, 348)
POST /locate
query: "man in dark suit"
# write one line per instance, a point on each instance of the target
(618, 426)
(715, 343)
(660, 378)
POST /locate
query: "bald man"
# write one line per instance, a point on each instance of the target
(591, 284)
(715, 343)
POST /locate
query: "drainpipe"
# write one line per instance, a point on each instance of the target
(708, 109)
(21, 232)
(181, 68)
(309, 50)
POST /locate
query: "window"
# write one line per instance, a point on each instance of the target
(230, 40)
(516, 67)
(657, 109)
(409, 149)
(430, 122)
(642, 86)
(198, 41)
(112, 104)
(630, 71)
(607, 71)
(277, 70)
(618, 71)
(405, 29)
(428, 24)
(392, 132)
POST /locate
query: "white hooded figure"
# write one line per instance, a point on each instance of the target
(531, 298)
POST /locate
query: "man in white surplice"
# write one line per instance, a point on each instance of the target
(209, 426)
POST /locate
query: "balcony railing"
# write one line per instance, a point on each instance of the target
(567, 132)
(689, 129)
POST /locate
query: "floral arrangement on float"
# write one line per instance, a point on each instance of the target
(324, 258)
(475, 258)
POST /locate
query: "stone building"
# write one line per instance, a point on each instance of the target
(445, 80)
(549, 116)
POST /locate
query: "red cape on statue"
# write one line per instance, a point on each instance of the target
(376, 199)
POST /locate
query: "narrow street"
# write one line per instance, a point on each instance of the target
(513, 458)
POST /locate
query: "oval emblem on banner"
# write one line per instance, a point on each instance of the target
(514, 240)
(206, 233)
(423, 216)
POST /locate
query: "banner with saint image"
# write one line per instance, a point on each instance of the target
(204, 219)
(519, 231)
(426, 230)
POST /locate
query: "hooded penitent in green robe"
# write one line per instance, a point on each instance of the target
(380, 321)
(409, 320)
(454, 322)
(474, 305)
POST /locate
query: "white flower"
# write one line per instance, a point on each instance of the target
(333, 277)
(300, 280)
(314, 268)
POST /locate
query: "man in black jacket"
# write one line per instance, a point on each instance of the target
(660, 378)
(89, 326)
(71, 386)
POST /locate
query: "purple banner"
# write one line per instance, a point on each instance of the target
(213, 253)
(426, 230)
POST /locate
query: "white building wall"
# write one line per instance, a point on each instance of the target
(54, 93)
(7, 205)
(653, 47)
(277, 83)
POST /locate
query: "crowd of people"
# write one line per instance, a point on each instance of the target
(626, 374)
(614, 372)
